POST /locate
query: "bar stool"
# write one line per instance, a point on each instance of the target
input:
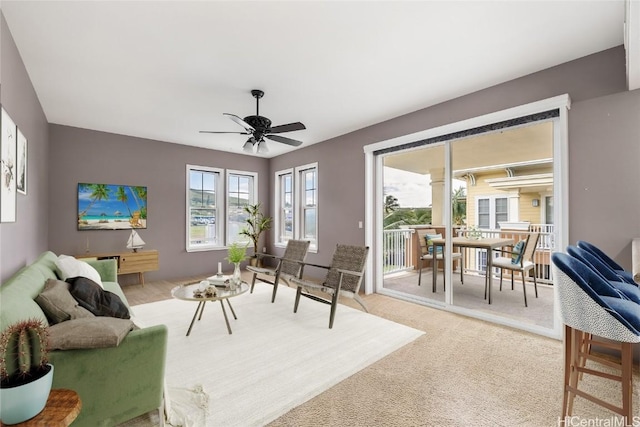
(590, 305)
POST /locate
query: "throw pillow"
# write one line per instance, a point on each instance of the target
(68, 266)
(91, 332)
(429, 238)
(516, 253)
(58, 304)
(95, 299)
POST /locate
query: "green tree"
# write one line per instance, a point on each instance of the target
(414, 216)
(98, 192)
(121, 195)
(390, 204)
(459, 206)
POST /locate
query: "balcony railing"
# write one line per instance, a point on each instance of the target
(397, 250)
(400, 249)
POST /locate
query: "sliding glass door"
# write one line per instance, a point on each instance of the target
(445, 207)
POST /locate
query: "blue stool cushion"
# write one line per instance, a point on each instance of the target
(627, 312)
(631, 292)
(588, 279)
(627, 277)
(594, 262)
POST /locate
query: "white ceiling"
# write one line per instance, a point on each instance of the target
(165, 70)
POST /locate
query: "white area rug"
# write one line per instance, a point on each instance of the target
(274, 361)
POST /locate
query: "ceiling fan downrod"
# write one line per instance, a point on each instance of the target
(257, 94)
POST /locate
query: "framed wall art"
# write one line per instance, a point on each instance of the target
(21, 164)
(8, 168)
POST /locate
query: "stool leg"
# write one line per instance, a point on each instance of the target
(567, 369)
(627, 382)
(576, 339)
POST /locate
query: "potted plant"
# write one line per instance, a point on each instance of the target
(25, 374)
(236, 253)
(256, 223)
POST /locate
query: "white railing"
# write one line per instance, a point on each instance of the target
(397, 250)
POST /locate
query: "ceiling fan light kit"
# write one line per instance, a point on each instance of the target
(259, 128)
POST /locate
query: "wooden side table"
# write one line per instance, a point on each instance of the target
(62, 408)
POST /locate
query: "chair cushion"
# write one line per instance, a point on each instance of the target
(516, 254)
(429, 239)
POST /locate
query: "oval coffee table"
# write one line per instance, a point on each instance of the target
(185, 292)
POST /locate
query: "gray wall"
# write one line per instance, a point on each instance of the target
(80, 155)
(22, 241)
(590, 81)
(604, 151)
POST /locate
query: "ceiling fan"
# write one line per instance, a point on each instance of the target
(259, 128)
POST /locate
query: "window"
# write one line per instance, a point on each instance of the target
(491, 211)
(207, 220)
(284, 206)
(308, 203)
(204, 208)
(296, 201)
(241, 191)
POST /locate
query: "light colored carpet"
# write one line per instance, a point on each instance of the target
(274, 361)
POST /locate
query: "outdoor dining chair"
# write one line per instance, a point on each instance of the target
(520, 259)
(591, 307)
(343, 278)
(428, 253)
(288, 266)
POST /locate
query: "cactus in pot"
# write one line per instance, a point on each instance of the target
(25, 375)
(23, 352)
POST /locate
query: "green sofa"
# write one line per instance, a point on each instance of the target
(115, 384)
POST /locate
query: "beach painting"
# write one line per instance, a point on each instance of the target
(111, 207)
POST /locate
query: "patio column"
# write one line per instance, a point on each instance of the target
(437, 195)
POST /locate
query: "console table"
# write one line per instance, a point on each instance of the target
(130, 262)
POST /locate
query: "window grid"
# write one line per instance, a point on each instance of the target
(296, 201)
(203, 208)
(240, 193)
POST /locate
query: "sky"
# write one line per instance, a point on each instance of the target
(412, 190)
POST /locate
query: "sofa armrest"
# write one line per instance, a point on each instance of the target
(107, 268)
(115, 384)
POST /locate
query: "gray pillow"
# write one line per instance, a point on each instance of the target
(58, 304)
(89, 332)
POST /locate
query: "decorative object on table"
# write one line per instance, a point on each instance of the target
(474, 233)
(256, 224)
(7, 169)
(235, 255)
(205, 290)
(25, 374)
(21, 164)
(135, 242)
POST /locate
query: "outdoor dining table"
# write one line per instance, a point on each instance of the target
(489, 244)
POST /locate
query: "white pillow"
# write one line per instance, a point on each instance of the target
(68, 266)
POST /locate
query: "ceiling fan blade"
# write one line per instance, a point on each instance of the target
(290, 127)
(283, 139)
(237, 133)
(241, 122)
